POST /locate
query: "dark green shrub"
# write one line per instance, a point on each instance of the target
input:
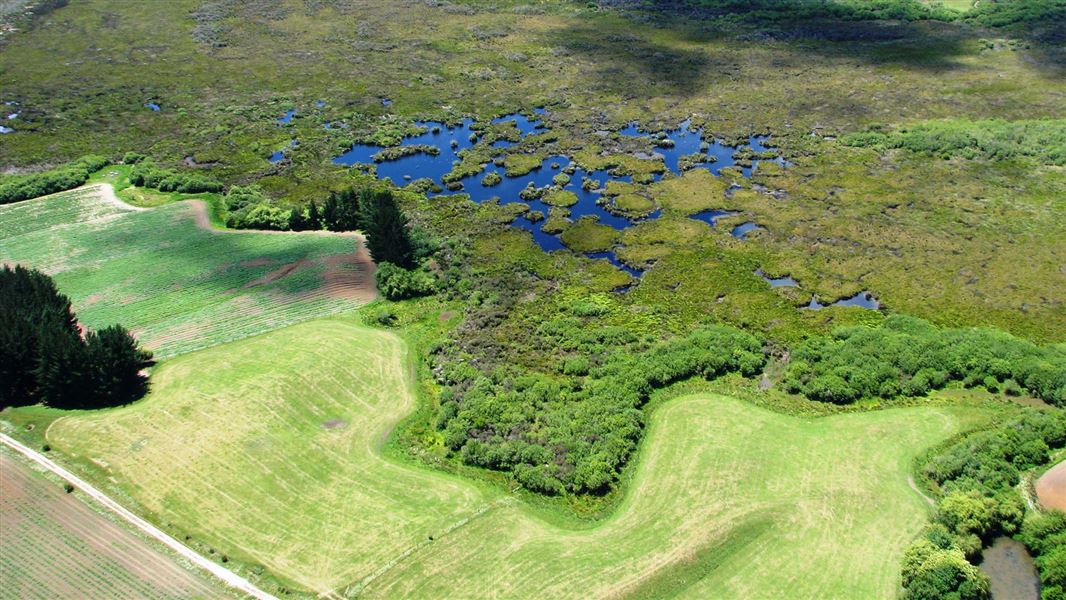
(910, 356)
(397, 283)
(146, 173)
(15, 188)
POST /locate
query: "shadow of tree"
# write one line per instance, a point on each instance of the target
(628, 63)
(677, 56)
(928, 35)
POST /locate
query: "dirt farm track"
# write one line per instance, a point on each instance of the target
(55, 546)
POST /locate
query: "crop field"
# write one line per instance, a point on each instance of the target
(594, 202)
(56, 546)
(177, 284)
(268, 450)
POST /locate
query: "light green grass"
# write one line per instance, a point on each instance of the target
(727, 500)
(60, 545)
(178, 286)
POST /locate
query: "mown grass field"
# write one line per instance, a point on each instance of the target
(176, 283)
(268, 450)
(56, 546)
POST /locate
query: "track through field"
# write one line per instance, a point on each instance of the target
(55, 546)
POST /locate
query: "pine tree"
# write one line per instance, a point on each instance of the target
(62, 373)
(388, 238)
(297, 222)
(329, 212)
(31, 309)
(314, 220)
(116, 363)
(349, 211)
(43, 357)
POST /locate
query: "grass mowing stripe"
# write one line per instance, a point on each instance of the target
(674, 579)
(267, 449)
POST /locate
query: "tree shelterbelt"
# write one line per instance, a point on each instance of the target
(45, 358)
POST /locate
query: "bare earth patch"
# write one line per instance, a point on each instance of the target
(277, 274)
(1051, 487)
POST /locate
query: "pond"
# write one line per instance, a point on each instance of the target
(741, 231)
(6, 130)
(280, 154)
(711, 217)
(287, 117)
(777, 281)
(152, 105)
(863, 299)
(1011, 570)
(439, 146)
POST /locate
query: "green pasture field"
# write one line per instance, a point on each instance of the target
(178, 284)
(269, 451)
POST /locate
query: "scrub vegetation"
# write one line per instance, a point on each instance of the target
(14, 188)
(276, 476)
(1044, 141)
(911, 357)
(975, 481)
(904, 152)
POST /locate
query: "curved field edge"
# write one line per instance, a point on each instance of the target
(269, 450)
(179, 284)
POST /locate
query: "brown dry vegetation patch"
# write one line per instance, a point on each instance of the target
(346, 276)
(350, 276)
(53, 545)
(277, 274)
(1051, 487)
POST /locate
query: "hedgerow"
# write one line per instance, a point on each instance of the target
(147, 173)
(15, 188)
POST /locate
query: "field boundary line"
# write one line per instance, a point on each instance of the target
(228, 577)
(107, 191)
(914, 486)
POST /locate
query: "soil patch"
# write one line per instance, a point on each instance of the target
(278, 273)
(1051, 487)
(350, 276)
(335, 424)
